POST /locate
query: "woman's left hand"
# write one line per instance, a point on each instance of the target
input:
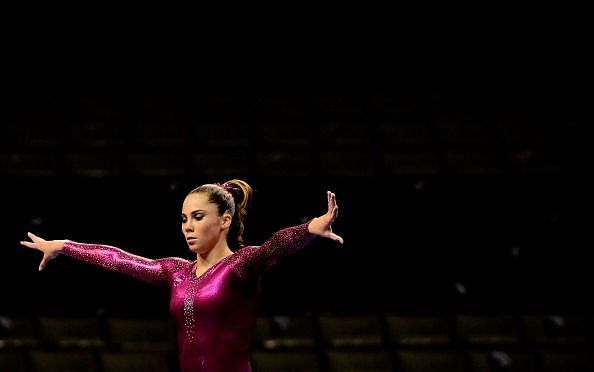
(322, 225)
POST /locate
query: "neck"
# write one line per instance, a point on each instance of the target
(217, 253)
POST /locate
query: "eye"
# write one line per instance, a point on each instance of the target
(198, 216)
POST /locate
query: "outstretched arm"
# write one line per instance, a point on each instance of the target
(111, 258)
(289, 240)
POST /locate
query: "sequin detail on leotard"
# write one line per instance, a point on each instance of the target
(189, 322)
(189, 318)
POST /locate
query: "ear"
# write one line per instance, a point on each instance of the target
(226, 221)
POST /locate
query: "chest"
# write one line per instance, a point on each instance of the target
(213, 295)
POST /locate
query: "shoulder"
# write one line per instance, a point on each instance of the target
(242, 260)
(244, 254)
(173, 264)
(247, 250)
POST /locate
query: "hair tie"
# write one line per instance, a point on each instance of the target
(227, 187)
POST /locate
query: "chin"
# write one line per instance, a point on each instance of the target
(198, 250)
(194, 249)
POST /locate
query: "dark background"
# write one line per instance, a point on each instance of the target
(457, 141)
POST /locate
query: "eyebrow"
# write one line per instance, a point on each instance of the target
(197, 210)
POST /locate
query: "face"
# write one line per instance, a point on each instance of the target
(201, 224)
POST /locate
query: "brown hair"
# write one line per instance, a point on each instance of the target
(231, 197)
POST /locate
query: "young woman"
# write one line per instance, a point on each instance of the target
(213, 298)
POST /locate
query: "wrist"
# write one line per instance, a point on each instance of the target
(312, 226)
(60, 245)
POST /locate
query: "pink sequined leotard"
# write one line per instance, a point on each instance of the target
(213, 313)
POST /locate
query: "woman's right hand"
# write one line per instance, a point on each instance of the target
(50, 248)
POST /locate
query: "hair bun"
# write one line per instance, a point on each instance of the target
(241, 192)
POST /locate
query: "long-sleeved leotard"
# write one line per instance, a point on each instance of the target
(213, 313)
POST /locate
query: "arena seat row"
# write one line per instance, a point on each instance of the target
(312, 343)
(418, 331)
(426, 361)
(445, 360)
(20, 360)
(302, 331)
(296, 331)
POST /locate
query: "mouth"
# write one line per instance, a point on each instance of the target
(191, 240)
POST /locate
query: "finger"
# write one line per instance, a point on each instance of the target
(329, 200)
(332, 202)
(333, 214)
(28, 244)
(35, 237)
(336, 238)
(43, 263)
